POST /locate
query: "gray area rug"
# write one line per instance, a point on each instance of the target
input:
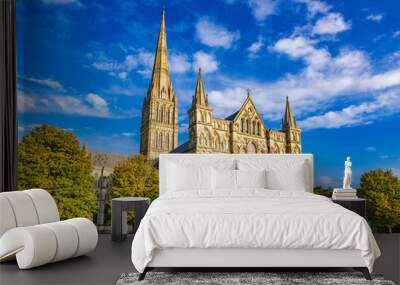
(229, 278)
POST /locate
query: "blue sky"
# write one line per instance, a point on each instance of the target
(84, 65)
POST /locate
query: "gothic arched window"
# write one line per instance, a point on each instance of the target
(254, 128)
(242, 125)
(171, 115)
(251, 148)
(258, 129)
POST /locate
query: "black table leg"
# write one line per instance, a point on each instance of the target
(116, 221)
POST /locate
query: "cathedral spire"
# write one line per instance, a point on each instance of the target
(289, 120)
(161, 66)
(200, 96)
(159, 130)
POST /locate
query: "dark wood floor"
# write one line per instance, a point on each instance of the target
(110, 259)
(103, 266)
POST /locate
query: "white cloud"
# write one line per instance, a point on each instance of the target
(315, 7)
(63, 2)
(331, 24)
(384, 156)
(314, 90)
(126, 90)
(396, 171)
(97, 102)
(206, 61)
(375, 17)
(255, 47)
(261, 9)
(227, 101)
(183, 128)
(302, 48)
(396, 34)
(370, 149)
(141, 62)
(104, 65)
(382, 105)
(87, 105)
(327, 181)
(179, 63)
(214, 35)
(123, 75)
(53, 84)
(26, 128)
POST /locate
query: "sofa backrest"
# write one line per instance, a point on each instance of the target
(284, 164)
(26, 208)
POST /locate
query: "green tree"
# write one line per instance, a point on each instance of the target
(51, 158)
(135, 177)
(323, 191)
(381, 188)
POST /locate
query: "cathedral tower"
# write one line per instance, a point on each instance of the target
(159, 130)
(292, 132)
(200, 120)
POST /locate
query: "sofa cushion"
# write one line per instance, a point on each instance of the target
(23, 208)
(45, 205)
(7, 220)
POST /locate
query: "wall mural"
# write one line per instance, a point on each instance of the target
(97, 86)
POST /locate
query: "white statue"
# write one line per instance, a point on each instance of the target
(347, 174)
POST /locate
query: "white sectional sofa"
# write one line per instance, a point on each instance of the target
(31, 230)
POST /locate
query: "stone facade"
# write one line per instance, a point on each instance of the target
(242, 132)
(159, 130)
(103, 166)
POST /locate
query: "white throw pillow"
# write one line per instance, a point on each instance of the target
(251, 178)
(295, 180)
(289, 174)
(181, 177)
(223, 179)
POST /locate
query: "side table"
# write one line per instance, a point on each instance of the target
(357, 205)
(119, 208)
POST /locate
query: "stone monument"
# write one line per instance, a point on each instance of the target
(346, 192)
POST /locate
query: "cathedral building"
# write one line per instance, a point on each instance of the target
(159, 130)
(242, 132)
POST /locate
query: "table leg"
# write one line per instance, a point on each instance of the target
(140, 211)
(116, 221)
(124, 224)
